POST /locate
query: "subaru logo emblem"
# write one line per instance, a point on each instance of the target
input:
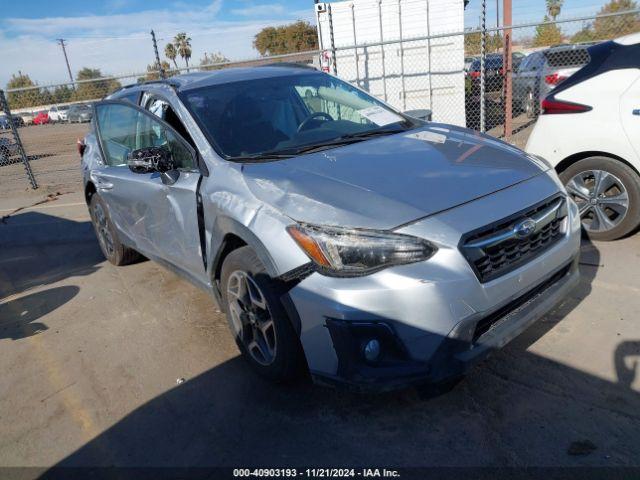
(524, 228)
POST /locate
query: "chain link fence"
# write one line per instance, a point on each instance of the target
(459, 76)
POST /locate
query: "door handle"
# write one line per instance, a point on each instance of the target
(102, 185)
(636, 112)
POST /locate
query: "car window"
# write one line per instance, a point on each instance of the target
(285, 113)
(162, 108)
(568, 57)
(133, 97)
(124, 129)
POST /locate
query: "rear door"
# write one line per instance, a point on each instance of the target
(630, 115)
(158, 219)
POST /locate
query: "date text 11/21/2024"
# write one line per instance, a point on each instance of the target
(316, 472)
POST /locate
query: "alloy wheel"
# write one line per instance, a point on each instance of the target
(601, 197)
(251, 319)
(102, 229)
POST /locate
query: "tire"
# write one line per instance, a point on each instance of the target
(280, 357)
(530, 107)
(107, 234)
(616, 180)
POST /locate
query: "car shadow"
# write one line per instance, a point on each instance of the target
(40, 249)
(18, 316)
(517, 408)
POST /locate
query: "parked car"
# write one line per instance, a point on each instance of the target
(494, 71)
(540, 72)
(337, 233)
(4, 122)
(468, 61)
(18, 121)
(8, 149)
(27, 118)
(79, 113)
(589, 130)
(41, 118)
(58, 113)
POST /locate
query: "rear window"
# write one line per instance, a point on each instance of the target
(489, 63)
(568, 58)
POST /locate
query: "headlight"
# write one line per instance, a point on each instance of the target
(351, 252)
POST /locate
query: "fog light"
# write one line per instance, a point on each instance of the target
(372, 350)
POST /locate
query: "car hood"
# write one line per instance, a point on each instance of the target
(388, 181)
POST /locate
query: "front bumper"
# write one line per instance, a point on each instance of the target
(456, 355)
(430, 314)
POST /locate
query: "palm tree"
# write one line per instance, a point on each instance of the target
(183, 46)
(554, 7)
(171, 53)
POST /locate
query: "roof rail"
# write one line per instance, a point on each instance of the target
(288, 64)
(167, 81)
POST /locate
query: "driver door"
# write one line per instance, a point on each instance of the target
(157, 218)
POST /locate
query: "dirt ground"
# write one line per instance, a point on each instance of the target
(132, 366)
(54, 160)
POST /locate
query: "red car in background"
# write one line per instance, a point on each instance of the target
(41, 118)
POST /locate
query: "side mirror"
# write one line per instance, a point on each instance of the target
(421, 114)
(154, 159)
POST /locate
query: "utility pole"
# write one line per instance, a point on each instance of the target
(155, 49)
(66, 59)
(508, 69)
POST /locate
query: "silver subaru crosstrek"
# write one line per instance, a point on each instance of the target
(341, 237)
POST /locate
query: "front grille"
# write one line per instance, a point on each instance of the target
(499, 248)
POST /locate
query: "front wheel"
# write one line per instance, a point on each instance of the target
(107, 235)
(607, 192)
(261, 327)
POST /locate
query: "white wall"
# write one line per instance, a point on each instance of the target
(414, 74)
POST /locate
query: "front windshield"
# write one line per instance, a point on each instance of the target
(288, 114)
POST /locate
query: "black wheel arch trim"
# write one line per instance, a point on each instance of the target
(225, 226)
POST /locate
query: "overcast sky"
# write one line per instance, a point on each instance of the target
(113, 35)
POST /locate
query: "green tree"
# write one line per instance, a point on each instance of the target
(616, 26)
(554, 7)
(547, 34)
(92, 85)
(153, 71)
(472, 43)
(171, 53)
(182, 44)
(210, 60)
(586, 34)
(299, 36)
(25, 98)
(62, 94)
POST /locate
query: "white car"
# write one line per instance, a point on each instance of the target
(58, 113)
(589, 130)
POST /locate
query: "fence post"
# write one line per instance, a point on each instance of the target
(384, 73)
(508, 67)
(404, 92)
(483, 54)
(4, 106)
(355, 43)
(333, 43)
(155, 49)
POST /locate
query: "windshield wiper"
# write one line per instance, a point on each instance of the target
(316, 147)
(260, 156)
(374, 133)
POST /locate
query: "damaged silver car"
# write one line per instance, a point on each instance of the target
(341, 237)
